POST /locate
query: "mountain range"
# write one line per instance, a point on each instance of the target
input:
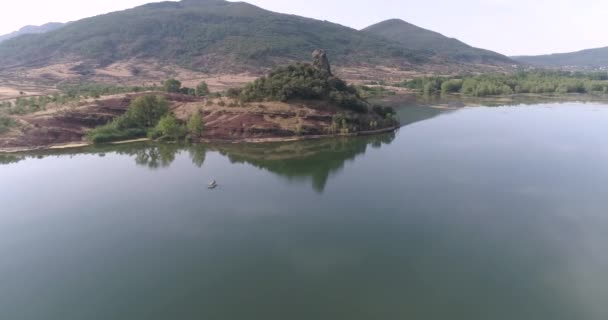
(590, 59)
(32, 30)
(220, 36)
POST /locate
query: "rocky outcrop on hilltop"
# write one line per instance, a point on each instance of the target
(320, 61)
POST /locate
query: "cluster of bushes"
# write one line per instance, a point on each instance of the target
(505, 84)
(175, 86)
(148, 116)
(6, 123)
(303, 81)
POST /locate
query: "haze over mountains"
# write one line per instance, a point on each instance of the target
(216, 35)
(32, 30)
(593, 59)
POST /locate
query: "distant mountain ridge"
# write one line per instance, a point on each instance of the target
(584, 59)
(32, 30)
(417, 38)
(222, 36)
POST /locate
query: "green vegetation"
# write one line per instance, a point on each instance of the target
(148, 116)
(144, 114)
(303, 81)
(374, 92)
(202, 89)
(97, 90)
(202, 35)
(172, 86)
(168, 129)
(24, 105)
(195, 125)
(175, 86)
(6, 124)
(506, 84)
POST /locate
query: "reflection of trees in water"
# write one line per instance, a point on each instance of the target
(10, 158)
(198, 153)
(155, 156)
(314, 159)
(309, 159)
(151, 155)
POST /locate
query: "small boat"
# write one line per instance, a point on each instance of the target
(212, 184)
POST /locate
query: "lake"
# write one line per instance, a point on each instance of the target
(476, 213)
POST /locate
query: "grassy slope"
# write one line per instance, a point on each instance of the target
(416, 38)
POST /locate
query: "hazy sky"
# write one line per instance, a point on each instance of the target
(511, 27)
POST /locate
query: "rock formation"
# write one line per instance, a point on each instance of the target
(320, 61)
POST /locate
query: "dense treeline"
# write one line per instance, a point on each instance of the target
(303, 81)
(506, 84)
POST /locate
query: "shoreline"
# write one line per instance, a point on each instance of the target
(80, 144)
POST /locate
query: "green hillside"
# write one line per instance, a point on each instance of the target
(202, 35)
(586, 59)
(415, 38)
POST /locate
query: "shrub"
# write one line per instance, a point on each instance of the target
(202, 89)
(195, 125)
(187, 91)
(172, 86)
(234, 93)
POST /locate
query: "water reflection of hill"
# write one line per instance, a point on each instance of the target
(311, 159)
(297, 160)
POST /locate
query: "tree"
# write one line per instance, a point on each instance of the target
(202, 89)
(172, 86)
(168, 128)
(195, 125)
(144, 112)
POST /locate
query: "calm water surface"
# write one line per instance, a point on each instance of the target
(479, 213)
